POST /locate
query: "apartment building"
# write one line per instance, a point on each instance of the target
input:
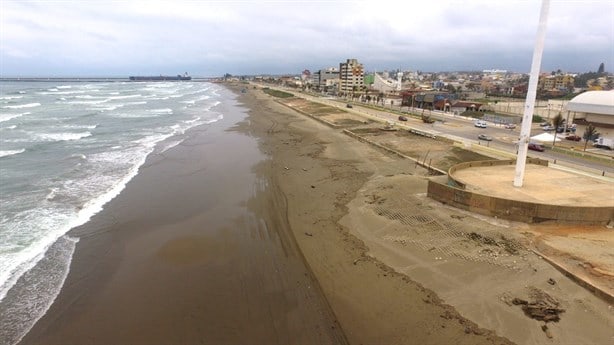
(556, 82)
(326, 78)
(351, 76)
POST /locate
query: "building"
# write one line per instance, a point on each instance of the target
(351, 76)
(559, 82)
(326, 78)
(306, 77)
(596, 108)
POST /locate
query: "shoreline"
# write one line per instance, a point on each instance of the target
(304, 238)
(182, 255)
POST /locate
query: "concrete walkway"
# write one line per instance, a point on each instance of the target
(544, 185)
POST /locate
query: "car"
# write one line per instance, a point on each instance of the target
(536, 147)
(544, 124)
(480, 124)
(510, 126)
(484, 137)
(573, 137)
(349, 105)
(548, 128)
(402, 118)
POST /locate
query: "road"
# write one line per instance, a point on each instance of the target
(462, 129)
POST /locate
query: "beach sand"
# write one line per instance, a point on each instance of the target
(281, 242)
(195, 250)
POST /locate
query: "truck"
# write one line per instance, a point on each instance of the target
(604, 142)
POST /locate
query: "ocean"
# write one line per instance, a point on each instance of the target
(66, 149)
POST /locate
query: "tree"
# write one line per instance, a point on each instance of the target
(590, 133)
(601, 68)
(557, 122)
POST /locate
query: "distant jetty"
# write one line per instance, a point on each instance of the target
(162, 78)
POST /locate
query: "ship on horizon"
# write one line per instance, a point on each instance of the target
(178, 77)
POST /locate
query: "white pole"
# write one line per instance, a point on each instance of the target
(527, 117)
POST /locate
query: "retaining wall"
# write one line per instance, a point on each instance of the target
(451, 191)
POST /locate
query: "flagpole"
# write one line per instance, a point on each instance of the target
(527, 117)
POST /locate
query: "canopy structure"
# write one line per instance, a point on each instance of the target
(544, 137)
(596, 102)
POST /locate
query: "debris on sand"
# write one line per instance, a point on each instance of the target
(540, 306)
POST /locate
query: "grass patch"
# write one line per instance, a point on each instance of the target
(277, 93)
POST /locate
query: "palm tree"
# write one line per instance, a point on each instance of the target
(590, 132)
(557, 122)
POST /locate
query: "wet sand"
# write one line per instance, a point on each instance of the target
(196, 249)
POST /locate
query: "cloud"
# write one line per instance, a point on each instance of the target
(214, 37)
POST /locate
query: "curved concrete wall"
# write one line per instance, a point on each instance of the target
(450, 191)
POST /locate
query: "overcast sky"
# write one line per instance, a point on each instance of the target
(210, 38)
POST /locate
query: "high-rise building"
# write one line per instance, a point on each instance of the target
(351, 76)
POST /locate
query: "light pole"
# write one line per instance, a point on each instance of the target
(525, 128)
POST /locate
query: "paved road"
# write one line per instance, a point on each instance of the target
(462, 129)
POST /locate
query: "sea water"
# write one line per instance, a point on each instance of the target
(66, 149)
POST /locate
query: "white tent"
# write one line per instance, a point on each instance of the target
(545, 137)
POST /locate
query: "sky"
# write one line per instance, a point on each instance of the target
(211, 38)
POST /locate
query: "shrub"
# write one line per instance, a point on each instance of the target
(537, 118)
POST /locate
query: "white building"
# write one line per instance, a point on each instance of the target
(595, 107)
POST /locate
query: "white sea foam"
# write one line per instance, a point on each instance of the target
(13, 268)
(100, 101)
(10, 97)
(95, 169)
(216, 119)
(107, 108)
(52, 193)
(53, 89)
(161, 111)
(80, 126)
(170, 145)
(63, 136)
(29, 105)
(135, 103)
(125, 96)
(8, 116)
(32, 307)
(6, 153)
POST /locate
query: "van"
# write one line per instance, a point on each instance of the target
(481, 124)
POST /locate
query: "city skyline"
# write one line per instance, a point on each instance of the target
(203, 38)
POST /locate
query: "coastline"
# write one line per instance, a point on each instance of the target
(158, 265)
(183, 256)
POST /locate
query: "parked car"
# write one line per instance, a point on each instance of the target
(548, 128)
(510, 126)
(484, 137)
(536, 147)
(573, 137)
(480, 124)
(402, 118)
(348, 105)
(544, 124)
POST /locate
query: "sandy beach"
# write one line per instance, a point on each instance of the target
(285, 240)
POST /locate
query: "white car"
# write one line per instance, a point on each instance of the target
(481, 124)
